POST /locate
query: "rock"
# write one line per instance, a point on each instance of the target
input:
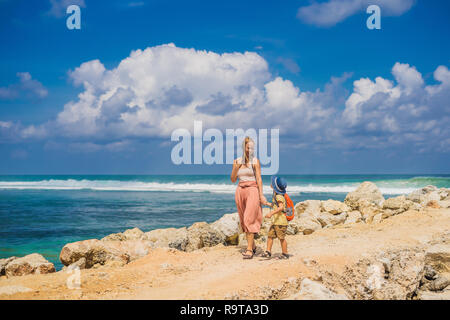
(424, 195)
(229, 226)
(368, 210)
(353, 217)
(13, 289)
(80, 264)
(438, 257)
(114, 237)
(397, 205)
(366, 193)
(306, 223)
(313, 290)
(201, 235)
(134, 234)
(439, 284)
(377, 218)
(308, 207)
(3, 263)
(99, 252)
(444, 193)
(328, 219)
(391, 275)
(169, 238)
(334, 207)
(444, 203)
(433, 204)
(130, 234)
(427, 295)
(429, 273)
(30, 264)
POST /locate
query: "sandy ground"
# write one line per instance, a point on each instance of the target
(221, 273)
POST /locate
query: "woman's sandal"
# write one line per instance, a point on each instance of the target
(266, 254)
(248, 256)
(244, 253)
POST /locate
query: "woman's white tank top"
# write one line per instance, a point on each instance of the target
(246, 173)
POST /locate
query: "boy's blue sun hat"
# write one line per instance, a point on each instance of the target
(279, 184)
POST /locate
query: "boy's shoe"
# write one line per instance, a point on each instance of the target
(266, 254)
(283, 256)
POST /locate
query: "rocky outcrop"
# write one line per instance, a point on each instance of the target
(426, 194)
(334, 206)
(438, 257)
(97, 252)
(4, 263)
(353, 217)
(130, 234)
(391, 275)
(366, 194)
(228, 225)
(398, 205)
(201, 234)
(168, 238)
(30, 264)
(313, 290)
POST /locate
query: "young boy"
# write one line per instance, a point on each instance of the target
(279, 221)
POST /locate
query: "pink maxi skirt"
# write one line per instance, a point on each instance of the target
(248, 205)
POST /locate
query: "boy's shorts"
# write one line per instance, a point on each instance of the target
(277, 232)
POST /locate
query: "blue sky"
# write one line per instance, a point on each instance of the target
(310, 73)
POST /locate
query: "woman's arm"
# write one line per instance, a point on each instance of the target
(262, 199)
(235, 170)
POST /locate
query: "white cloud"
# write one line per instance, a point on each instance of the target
(26, 86)
(157, 90)
(400, 112)
(331, 12)
(289, 64)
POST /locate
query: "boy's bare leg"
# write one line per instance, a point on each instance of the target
(269, 244)
(284, 246)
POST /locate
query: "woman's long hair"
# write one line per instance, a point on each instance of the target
(245, 156)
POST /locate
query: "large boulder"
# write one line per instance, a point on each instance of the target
(308, 207)
(30, 264)
(425, 195)
(4, 263)
(327, 219)
(100, 252)
(313, 290)
(366, 193)
(326, 213)
(169, 238)
(306, 223)
(228, 224)
(130, 234)
(353, 217)
(201, 234)
(438, 257)
(334, 206)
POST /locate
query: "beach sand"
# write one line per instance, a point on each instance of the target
(220, 272)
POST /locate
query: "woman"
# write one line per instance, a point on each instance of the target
(249, 193)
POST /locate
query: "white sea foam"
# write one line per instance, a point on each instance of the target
(116, 185)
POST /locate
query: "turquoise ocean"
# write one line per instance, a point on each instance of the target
(43, 213)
